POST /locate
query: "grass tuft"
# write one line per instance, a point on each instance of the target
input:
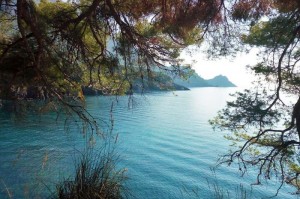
(96, 177)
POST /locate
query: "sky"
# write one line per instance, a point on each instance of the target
(233, 68)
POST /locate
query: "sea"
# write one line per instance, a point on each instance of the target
(163, 141)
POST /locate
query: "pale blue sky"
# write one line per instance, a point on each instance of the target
(233, 68)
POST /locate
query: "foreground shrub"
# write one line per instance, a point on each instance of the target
(96, 177)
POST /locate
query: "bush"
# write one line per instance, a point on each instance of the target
(96, 177)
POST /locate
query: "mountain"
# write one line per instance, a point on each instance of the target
(220, 81)
(196, 81)
(161, 81)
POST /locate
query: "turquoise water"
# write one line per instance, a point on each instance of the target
(164, 141)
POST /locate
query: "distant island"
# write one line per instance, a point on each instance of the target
(161, 81)
(196, 81)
